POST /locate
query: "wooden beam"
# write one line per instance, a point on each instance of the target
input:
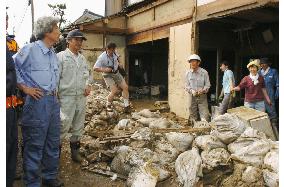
(96, 29)
(182, 130)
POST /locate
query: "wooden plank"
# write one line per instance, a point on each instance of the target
(107, 173)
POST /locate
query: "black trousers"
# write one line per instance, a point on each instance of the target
(11, 145)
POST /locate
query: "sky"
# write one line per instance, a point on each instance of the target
(20, 21)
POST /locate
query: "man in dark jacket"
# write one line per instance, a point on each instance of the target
(11, 125)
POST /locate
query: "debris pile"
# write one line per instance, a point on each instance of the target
(147, 147)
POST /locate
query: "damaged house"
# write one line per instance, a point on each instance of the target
(155, 38)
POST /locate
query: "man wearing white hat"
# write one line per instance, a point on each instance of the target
(197, 85)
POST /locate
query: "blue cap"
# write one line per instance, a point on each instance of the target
(76, 33)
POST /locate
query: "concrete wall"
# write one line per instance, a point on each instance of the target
(94, 41)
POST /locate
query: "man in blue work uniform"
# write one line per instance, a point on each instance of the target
(11, 122)
(271, 79)
(37, 76)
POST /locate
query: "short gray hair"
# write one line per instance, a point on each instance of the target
(44, 25)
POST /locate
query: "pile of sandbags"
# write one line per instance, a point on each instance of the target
(232, 154)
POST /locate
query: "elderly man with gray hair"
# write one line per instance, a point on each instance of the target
(37, 76)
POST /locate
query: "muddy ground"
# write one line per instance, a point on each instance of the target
(73, 176)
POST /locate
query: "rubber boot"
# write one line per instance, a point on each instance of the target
(75, 154)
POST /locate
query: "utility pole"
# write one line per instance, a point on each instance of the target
(31, 2)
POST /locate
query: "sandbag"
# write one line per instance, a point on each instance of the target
(271, 179)
(167, 152)
(160, 123)
(142, 176)
(214, 158)
(228, 127)
(148, 114)
(251, 175)
(123, 124)
(188, 167)
(271, 160)
(142, 134)
(250, 148)
(181, 141)
(119, 163)
(208, 142)
(146, 121)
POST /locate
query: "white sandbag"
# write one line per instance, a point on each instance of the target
(250, 148)
(142, 134)
(146, 121)
(142, 176)
(208, 142)
(228, 127)
(271, 179)
(181, 141)
(188, 167)
(148, 114)
(251, 175)
(140, 156)
(122, 124)
(271, 159)
(215, 157)
(160, 123)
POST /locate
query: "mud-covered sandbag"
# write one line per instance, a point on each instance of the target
(251, 175)
(146, 121)
(160, 123)
(167, 152)
(181, 141)
(235, 179)
(271, 179)
(271, 159)
(208, 142)
(188, 167)
(250, 148)
(142, 134)
(142, 176)
(119, 163)
(148, 114)
(139, 156)
(214, 158)
(228, 128)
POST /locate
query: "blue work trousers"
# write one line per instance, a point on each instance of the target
(41, 138)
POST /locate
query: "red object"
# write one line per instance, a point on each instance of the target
(13, 101)
(253, 93)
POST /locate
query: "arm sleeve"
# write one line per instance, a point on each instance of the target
(243, 83)
(90, 76)
(98, 63)
(207, 82)
(187, 83)
(20, 59)
(262, 83)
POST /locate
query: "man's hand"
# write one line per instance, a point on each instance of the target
(107, 70)
(87, 90)
(35, 93)
(220, 97)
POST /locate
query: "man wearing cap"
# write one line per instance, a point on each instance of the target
(271, 79)
(37, 76)
(197, 85)
(74, 86)
(255, 92)
(108, 64)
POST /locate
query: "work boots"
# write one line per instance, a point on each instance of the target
(75, 154)
(52, 183)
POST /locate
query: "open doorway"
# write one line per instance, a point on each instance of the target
(237, 38)
(148, 70)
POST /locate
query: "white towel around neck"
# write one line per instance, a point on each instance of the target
(254, 78)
